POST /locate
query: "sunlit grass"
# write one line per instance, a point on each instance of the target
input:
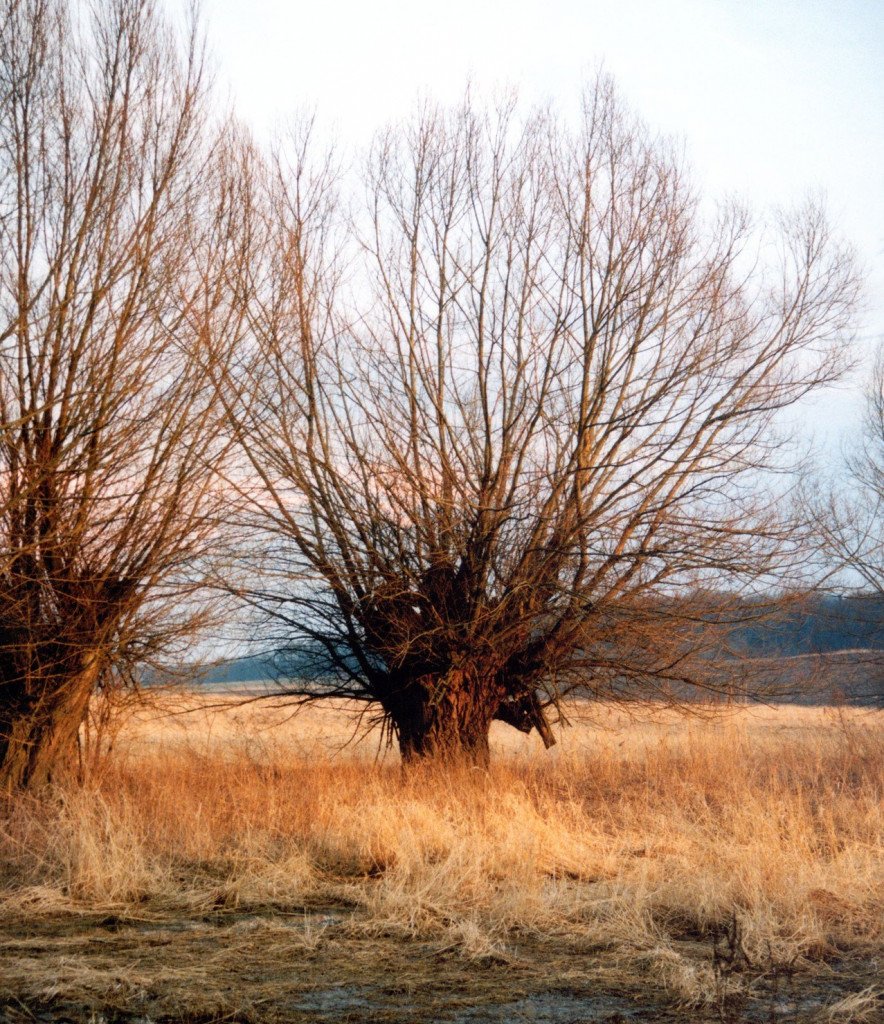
(633, 834)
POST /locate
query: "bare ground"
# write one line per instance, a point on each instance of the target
(320, 965)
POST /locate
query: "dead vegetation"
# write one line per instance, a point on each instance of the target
(705, 858)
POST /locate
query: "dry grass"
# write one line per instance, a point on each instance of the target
(762, 829)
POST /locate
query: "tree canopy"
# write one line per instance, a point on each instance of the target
(511, 414)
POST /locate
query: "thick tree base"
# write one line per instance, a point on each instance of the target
(444, 721)
(38, 735)
(453, 753)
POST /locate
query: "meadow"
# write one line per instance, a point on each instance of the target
(226, 862)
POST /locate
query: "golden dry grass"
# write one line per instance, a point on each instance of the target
(637, 836)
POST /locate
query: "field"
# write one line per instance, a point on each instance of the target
(244, 864)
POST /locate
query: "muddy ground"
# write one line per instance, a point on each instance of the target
(325, 966)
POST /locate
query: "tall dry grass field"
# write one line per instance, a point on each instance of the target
(644, 836)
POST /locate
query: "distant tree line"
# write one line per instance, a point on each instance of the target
(818, 626)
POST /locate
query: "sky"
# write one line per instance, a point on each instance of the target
(774, 99)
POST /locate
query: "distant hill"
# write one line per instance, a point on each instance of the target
(258, 668)
(822, 625)
(832, 648)
(832, 677)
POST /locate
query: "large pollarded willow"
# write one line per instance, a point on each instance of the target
(118, 247)
(511, 418)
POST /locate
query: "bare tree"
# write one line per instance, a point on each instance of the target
(851, 520)
(513, 423)
(119, 241)
(848, 517)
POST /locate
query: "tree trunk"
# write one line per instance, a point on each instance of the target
(38, 733)
(444, 718)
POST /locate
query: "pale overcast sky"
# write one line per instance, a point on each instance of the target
(774, 98)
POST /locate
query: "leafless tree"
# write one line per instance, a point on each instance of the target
(512, 417)
(848, 517)
(119, 239)
(851, 519)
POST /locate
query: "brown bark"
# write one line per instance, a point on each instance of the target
(38, 733)
(525, 713)
(444, 718)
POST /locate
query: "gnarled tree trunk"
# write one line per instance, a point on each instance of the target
(444, 718)
(38, 731)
